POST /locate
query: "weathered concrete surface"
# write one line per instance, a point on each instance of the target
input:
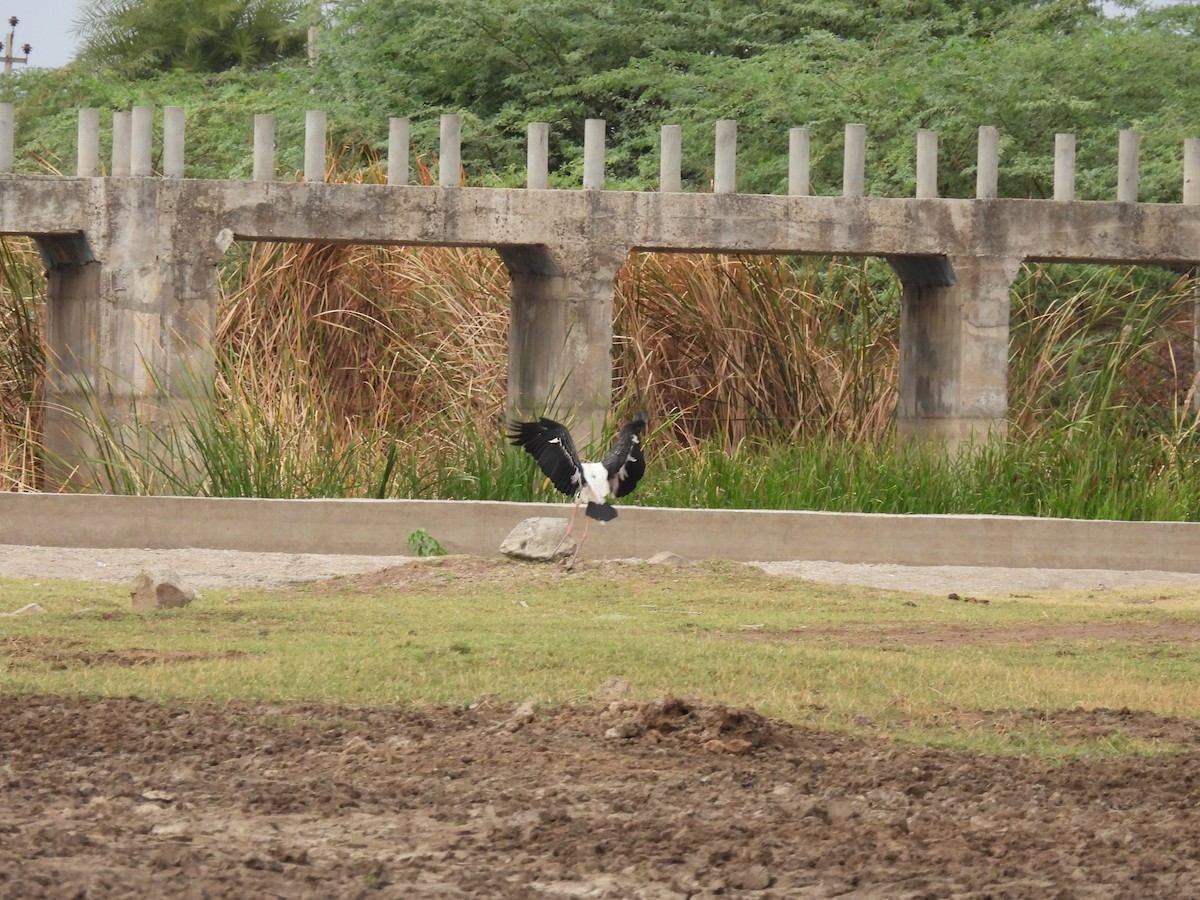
(381, 527)
(133, 280)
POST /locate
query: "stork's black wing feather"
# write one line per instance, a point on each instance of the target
(625, 464)
(550, 444)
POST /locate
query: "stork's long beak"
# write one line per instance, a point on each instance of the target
(546, 484)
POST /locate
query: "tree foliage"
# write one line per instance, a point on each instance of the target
(1031, 68)
(138, 37)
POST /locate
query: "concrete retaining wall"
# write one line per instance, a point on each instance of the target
(477, 528)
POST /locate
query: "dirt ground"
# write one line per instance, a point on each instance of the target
(666, 798)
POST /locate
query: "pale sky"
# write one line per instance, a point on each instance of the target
(47, 25)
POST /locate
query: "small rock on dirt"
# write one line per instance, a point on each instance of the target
(29, 609)
(160, 589)
(538, 539)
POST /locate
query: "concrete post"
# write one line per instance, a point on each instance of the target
(798, 162)
(7, 127)
(725, 158)
(537, 156)
(987, 174)
(561, 332)
(1064, 167)
(122, 125)
(1191, 171)
(88, 144)
(130, 318)
(593, 155)
(927, 144)
(264, 147)
(450, 152)
(670, 159)
(173, 130)
(315, 127)
(854, 161)
(141, 160)
(954, 354)
(1127, 166)
(397, 165)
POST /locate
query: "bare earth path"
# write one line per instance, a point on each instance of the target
(666, 798)
(231, 568)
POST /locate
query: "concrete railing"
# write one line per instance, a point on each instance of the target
(132, 145)
(132, 259)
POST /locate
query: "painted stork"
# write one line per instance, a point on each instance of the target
(588, 482)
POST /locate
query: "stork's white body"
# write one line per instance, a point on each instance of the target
(590, 483)
(595, 488)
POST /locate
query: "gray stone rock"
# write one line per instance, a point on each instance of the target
(536, 539)
(666, 558)
(160, 589)
(29, 609)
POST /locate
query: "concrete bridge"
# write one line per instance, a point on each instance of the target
(132, 257)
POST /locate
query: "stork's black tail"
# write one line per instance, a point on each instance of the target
(601, 512)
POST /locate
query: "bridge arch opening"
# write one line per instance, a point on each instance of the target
(739, 346)
(1117, 342)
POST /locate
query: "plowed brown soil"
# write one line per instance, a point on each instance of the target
(670, 798)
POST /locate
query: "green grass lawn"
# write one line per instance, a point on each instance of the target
(456, 631)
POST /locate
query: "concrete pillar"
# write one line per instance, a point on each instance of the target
(1191, 171)
(1064, 167)
(88, 143)
(173, 131)
(854, 161)
(593, 155)
(954, 353)
(670, 159)
(927, 144)
(725, 159)
(397, 165)
(561, 333)
(122, 125)
(315, 127)
(264, 147)
(798, 162)
(1128, 152)
(450, 151)
(537, 156)
(130, 318)
(7, 127)
(987, 173)
(141, 143)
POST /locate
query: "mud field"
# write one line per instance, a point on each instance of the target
(670, 798)
(667, 798)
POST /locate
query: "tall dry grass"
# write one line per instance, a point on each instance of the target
(744, 346)
(22, 364)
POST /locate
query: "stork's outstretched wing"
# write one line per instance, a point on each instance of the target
(625, 463)
(550, 444)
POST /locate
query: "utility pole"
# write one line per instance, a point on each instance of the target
(8, 45)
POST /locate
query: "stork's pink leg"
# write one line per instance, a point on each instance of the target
(586, 525)
(567, 533)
